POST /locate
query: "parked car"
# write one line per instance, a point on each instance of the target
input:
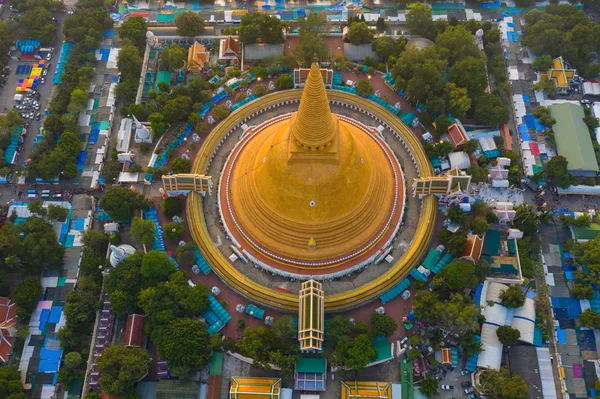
(465, 372)
(469, 390)
(196, 269)
(465, 384)
(472, 396)
(447, 387)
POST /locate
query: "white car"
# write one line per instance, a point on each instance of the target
(195, 269)
(48, 56)
(45, 72)
(405, 295)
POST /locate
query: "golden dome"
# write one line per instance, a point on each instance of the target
(311, 189)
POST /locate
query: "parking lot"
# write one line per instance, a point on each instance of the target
(454, 379)
(46, 91)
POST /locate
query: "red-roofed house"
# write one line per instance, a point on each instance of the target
(457, 134)
(8, 311)
(472, 250)
(134, 331)
(229, 49)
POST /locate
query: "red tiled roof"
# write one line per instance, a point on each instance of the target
(473, 248)
(230, 47)
(134, 331)
(456, 135)
(6, 347)
(8, 311)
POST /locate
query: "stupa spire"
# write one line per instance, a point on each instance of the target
(314, 126)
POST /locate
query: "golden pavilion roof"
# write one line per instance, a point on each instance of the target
(312, 186)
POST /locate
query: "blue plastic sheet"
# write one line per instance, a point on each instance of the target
(44, 318)
(527, 99)
(561, 336)
(529, 121)
(78, 224)
(81, 160)
(94, 134)
(55, 313)
(538, 125)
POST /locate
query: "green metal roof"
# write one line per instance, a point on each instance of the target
(311, 365)
(216, 364)
(573, 140)
(406, 376)
(586, 233)
(491, 243)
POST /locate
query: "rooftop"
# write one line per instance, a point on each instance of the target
(573, 140)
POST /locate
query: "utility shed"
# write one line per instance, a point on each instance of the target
(573, 140)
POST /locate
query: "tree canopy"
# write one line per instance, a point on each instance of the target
(120, 202)
(456, 276)
(185, 344)
(513, 296)
(382, 325)
(142, 230)
(134, 29)
(419, 20)
(500, 384)
(157, 267)
(121, 367)
(261, 28)
(589, 318)
(508, 335)
(359, 33)
(189, 24)
(557, 174)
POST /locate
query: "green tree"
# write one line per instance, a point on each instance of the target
(590, 318)
(158, 123)
(10, 382)
(185, 343)
(526, 218)
(181, 165)
(500, 384)
(311, 45)
(171, 206)
(359, 33)
(124, 283)
(220, 112)
(456, 215)
(470, 73)
(129, 62)
(456, 277)
(382, 325)
(364, 87)
(490, 110)
(134, 29)
(284, 81)
(508, 335)
(513, 296)
(420, 73)
(582, 290)
(542, 63)
(456, 43)
(120, 202)
(360, 353)
(285, 330)
(260, 90)
(257, 343)
(11, 119)
(57, 212)
(40, 246)
(557, 173)
(27, 295)
(419, 20)
(471, 146)
(429, 386)
(457, 242)
(173, 56)
(80, 311)
(547, 86)
(386, 46)
(482, 269)
(173, 231)
(171, 300)
(121, 367)
(479, 226)
(177, 109)
(258, 27)
(37, 207)
(186, 254)
(459, 102)
(143, 230)
(189, 24)
(157, 267)
(38, 24)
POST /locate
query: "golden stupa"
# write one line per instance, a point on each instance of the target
(313, 188)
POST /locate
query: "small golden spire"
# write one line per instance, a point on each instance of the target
(314, 126)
